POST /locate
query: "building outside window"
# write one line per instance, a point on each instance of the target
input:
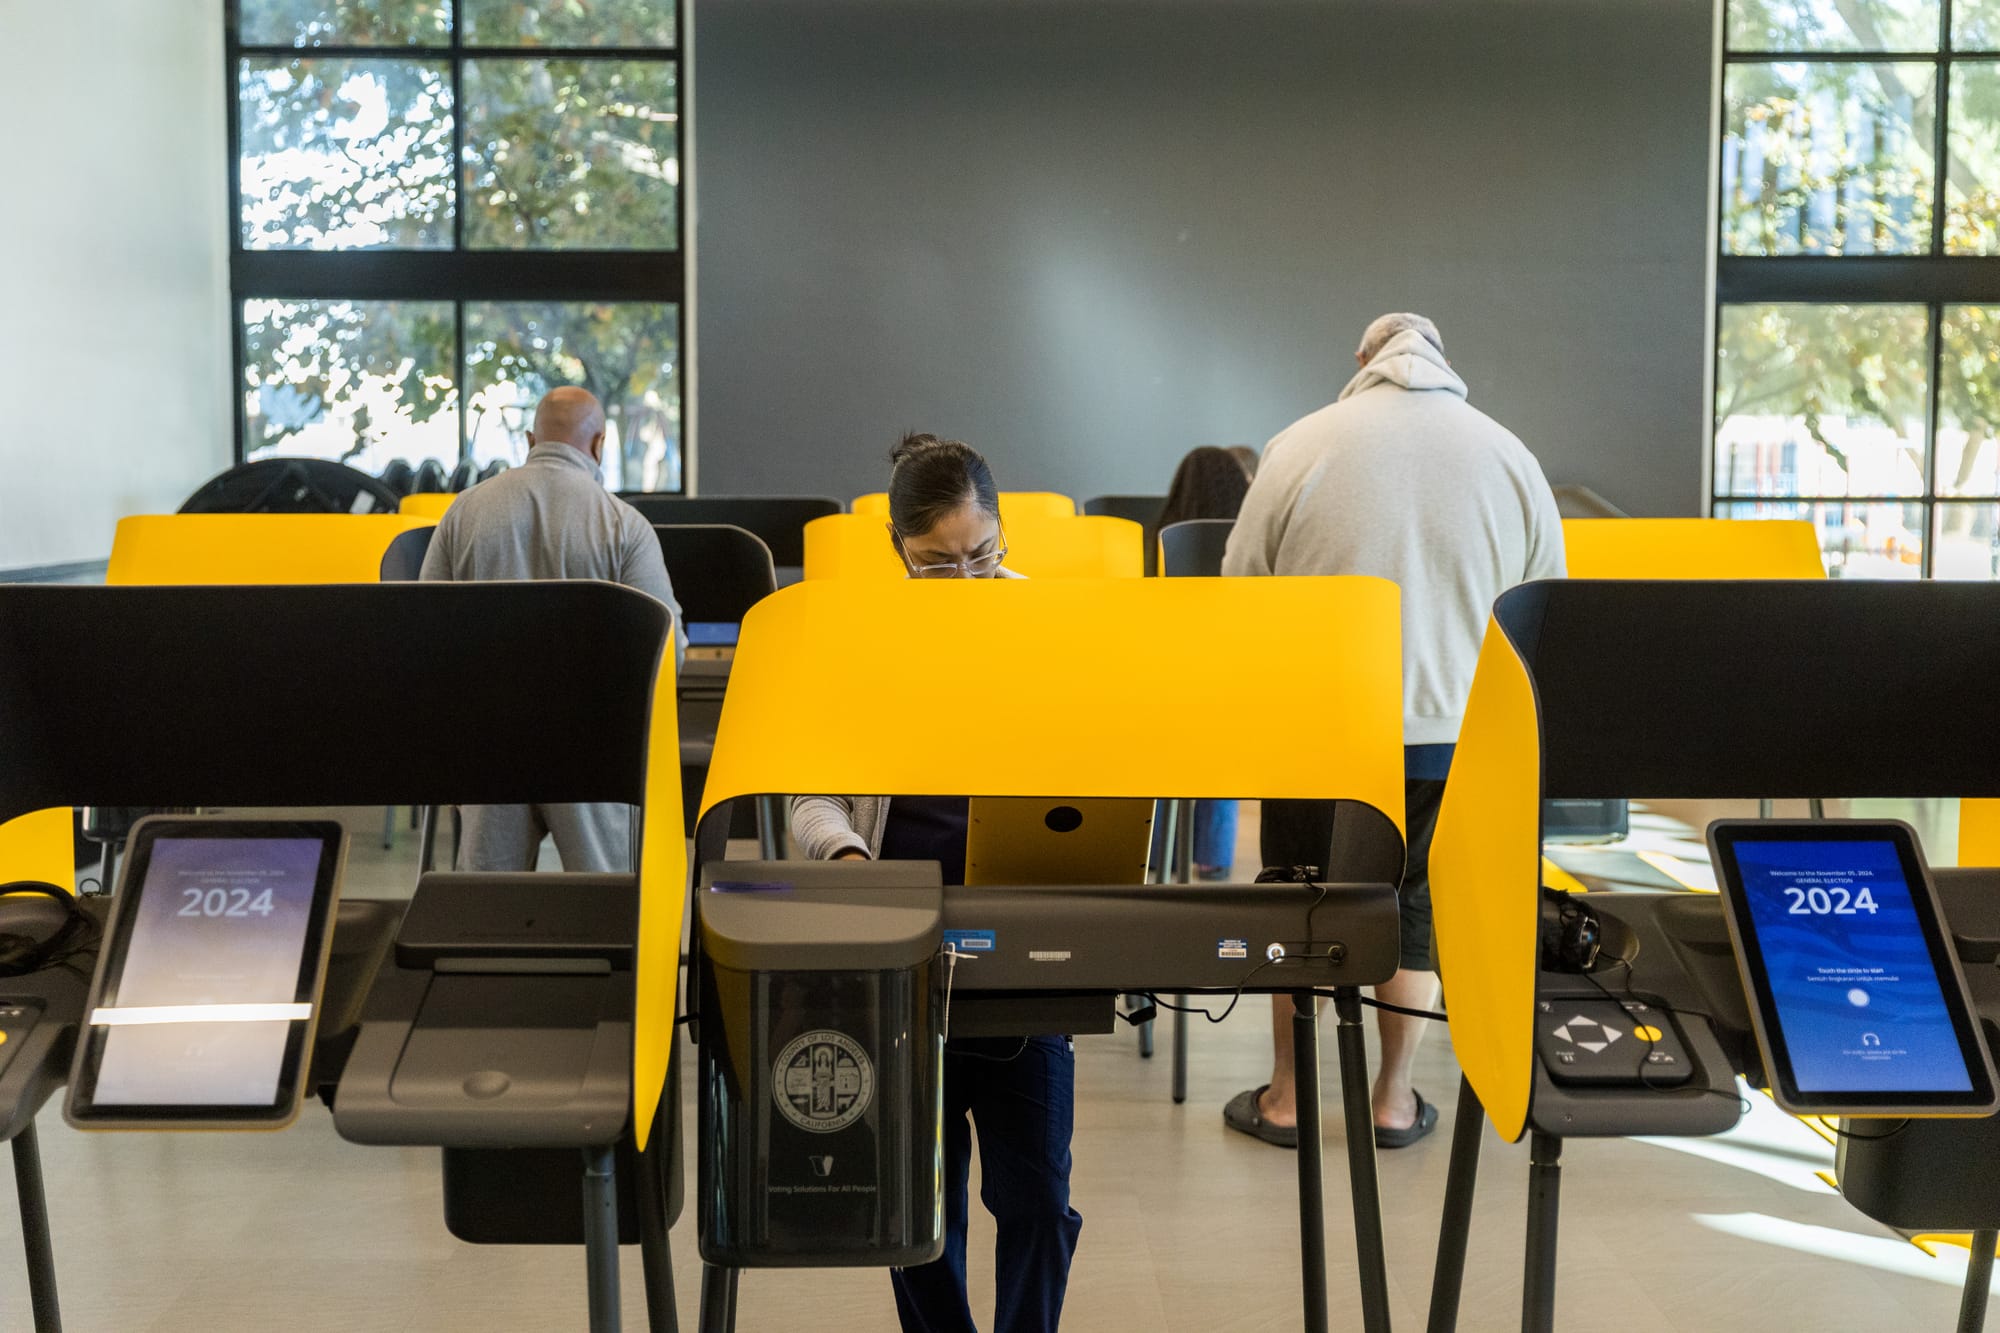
(445, 207)
(1857, 373)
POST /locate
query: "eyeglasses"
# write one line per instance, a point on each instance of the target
(978, 567)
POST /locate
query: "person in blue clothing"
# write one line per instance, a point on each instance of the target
(1018, 1092)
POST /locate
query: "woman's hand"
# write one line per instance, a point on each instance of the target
(852, 854)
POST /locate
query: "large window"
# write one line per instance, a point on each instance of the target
(445, 207)
(1857, 375)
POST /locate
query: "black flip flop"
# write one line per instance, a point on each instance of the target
(1426, 1121)
(1243, 1116)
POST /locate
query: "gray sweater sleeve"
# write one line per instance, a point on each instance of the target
(825, 826)
(437, 556)
(1547, 558)
(642, 566)
(1260, 526)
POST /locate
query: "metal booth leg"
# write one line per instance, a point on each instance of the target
(656, 1255)
(427, 832)
(35, 1232)
(600, 1236)
(388, 827)
(1448, 1279)
(770, 828)
(1312, 1166)
(1538, 1285)
(718, 1299)
(1370, 1252)
(1978, 1281)
(1184, 857)
(1180, 1029)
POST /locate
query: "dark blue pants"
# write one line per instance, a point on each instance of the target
(1021, 1098)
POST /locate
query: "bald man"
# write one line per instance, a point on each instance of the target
(551, 518)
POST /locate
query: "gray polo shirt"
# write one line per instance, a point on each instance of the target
(551, 518)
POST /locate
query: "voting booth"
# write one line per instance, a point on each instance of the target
(1737, 689)
(1020, 958)
(518, 1019)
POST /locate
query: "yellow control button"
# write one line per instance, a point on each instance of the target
(1647, 1033)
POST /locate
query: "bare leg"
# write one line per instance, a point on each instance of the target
(1395, 1102)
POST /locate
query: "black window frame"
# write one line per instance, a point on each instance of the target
(1933, 280)
(457, 275)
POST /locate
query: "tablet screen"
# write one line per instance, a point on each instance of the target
(1849, 971)
(712, 633)
(203, 1003)
(219, 933)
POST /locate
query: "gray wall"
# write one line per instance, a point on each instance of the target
(114, 350)
(1087, 235)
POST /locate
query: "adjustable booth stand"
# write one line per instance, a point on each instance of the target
(118, 696)
(1050, 687)
(1778, 689)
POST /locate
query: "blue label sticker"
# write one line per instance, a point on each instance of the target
(970, 941)
(1232, 948)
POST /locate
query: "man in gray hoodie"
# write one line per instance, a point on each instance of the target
(1400, 478)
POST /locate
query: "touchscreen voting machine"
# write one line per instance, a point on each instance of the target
(1855, 992)
(206, 996)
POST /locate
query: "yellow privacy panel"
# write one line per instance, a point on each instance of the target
(857, 546)
(1691, 548)
(1485, 889)
(1021, 505)
(851, 546)
(426, 504)
(1979, 832)
(1066, 688)
(254, 548)
(663, 880)
(39, 846)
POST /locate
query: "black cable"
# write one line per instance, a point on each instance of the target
(1235, 999)
(1016, 1054)
(1436, 1015)
(1652, 1043)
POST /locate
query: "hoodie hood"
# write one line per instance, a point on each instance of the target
(1407, 361)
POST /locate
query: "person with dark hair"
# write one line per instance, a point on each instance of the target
(1019, 1092)
(1246, 456)
(1210, 483)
